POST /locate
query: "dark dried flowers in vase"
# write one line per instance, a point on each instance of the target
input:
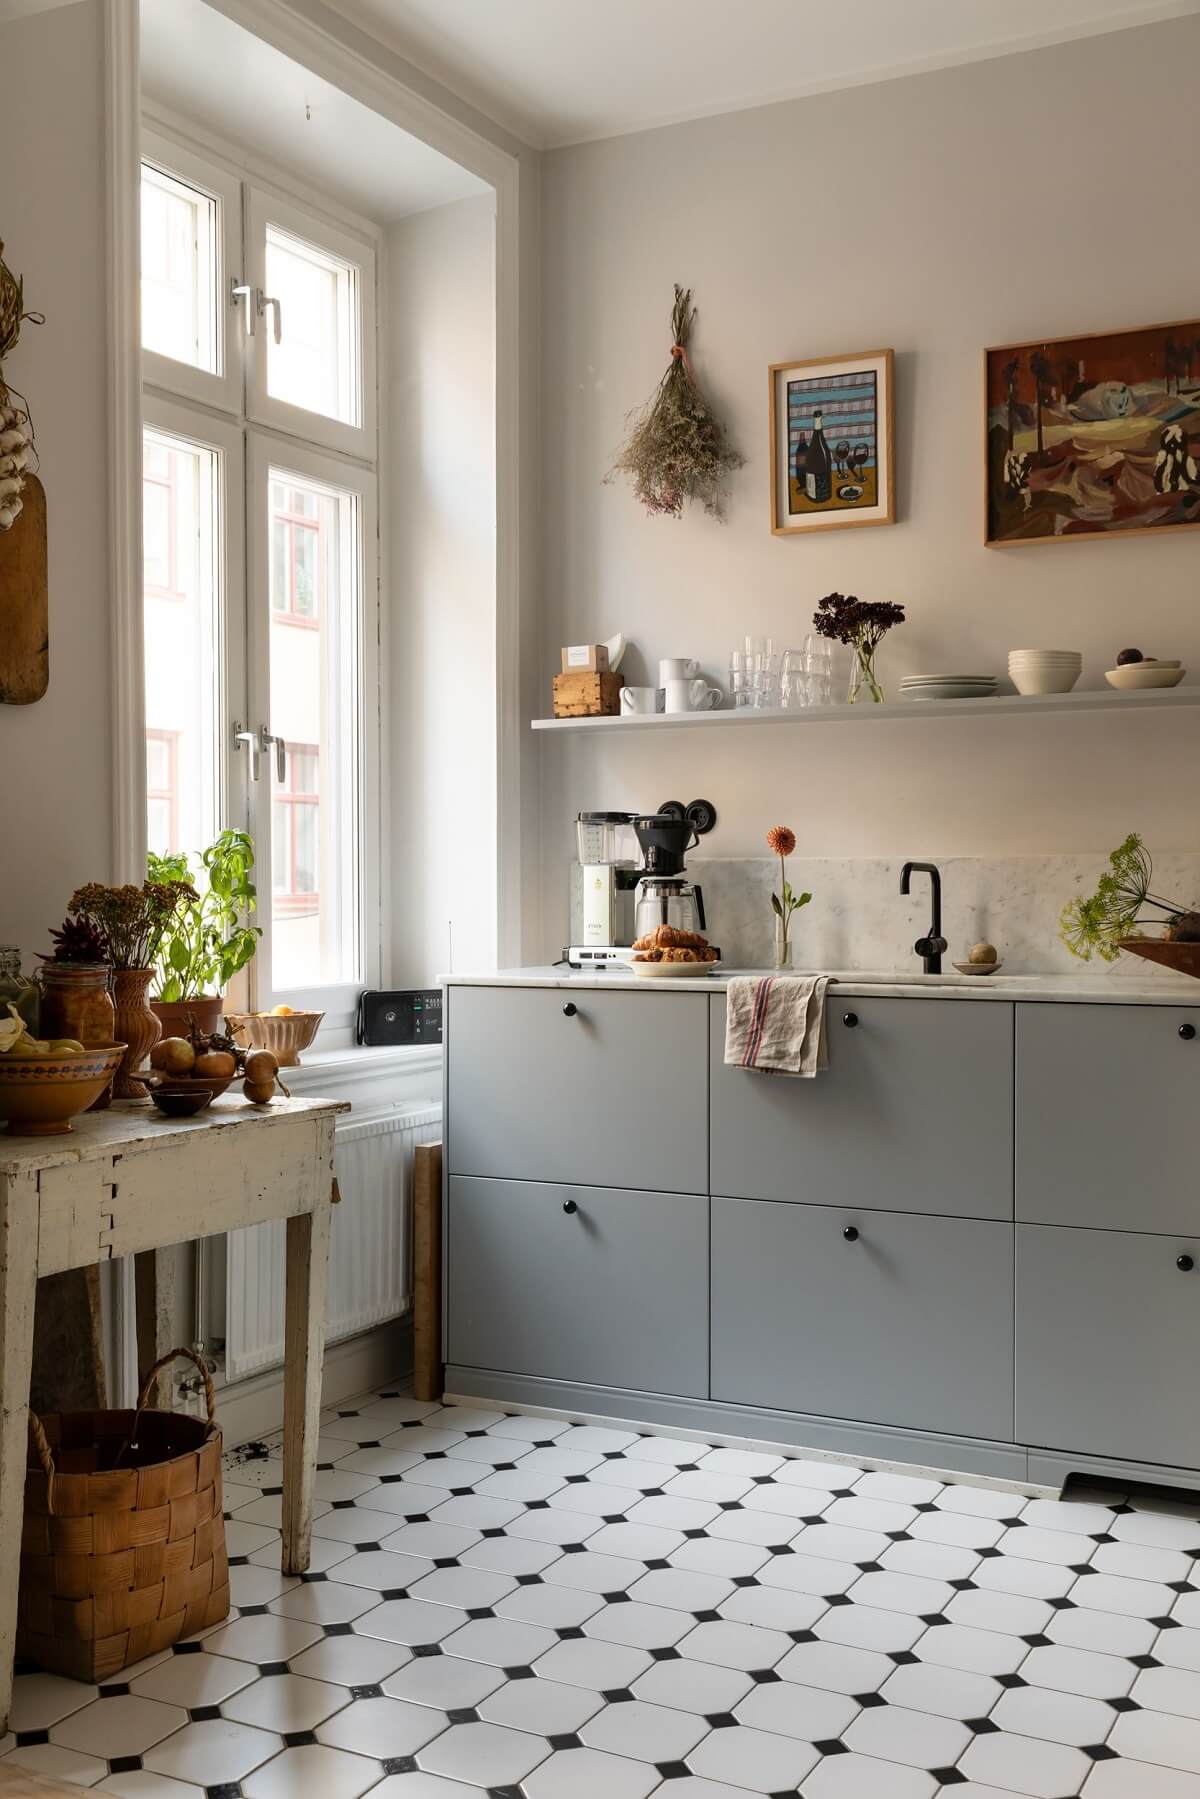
(862, 624)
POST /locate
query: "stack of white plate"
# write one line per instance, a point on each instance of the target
(948, 687)
(1044, 671)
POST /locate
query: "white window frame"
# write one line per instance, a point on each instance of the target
(264, 208)
(264, 451)
(175, 418)
(224, 390)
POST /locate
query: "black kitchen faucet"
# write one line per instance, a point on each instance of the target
(930, 947)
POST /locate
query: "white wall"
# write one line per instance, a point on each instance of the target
(981, 205)
(442, 605)
(55, 798)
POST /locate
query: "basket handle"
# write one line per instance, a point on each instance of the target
(44, 1456)
(210, 1396)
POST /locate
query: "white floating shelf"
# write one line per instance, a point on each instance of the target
(1004, 705)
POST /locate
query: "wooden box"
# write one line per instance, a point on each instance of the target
(587, 696)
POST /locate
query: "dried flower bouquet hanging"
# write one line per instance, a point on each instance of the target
(677, 449)
(16, 428)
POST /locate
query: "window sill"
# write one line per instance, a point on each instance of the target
(392, 1074)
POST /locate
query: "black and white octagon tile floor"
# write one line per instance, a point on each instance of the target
(524, 1608)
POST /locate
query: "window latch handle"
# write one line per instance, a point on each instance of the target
(265, 740)
(263, 302)
(250, 739)
(241, 290)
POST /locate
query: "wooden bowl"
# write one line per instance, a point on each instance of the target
(39, 1095)
(1184, 958)
(284, 1034)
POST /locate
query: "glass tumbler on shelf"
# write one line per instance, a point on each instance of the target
(754, 673)
(807, 678)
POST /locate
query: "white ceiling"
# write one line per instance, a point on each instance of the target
(564, 71)
(199, 63)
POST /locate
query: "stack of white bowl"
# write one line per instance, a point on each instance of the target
(1044, 671)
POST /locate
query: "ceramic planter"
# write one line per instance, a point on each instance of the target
(136, 1026)
(175, 1015)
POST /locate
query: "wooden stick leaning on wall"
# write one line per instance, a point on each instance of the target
(427, 1271)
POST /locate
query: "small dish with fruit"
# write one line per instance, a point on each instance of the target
(190, 1072)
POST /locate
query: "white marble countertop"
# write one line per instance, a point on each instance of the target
(1122, 985)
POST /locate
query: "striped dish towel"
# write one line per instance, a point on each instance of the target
(775, 1024)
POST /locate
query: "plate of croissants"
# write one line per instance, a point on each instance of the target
(667, 953)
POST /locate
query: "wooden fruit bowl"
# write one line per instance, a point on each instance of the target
(1184, 958)
(39, 1095)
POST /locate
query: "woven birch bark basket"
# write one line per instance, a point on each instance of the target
(123, 1547)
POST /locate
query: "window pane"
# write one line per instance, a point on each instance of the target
(181, 487)
(316, 365)
(179, 270)
(315, 553)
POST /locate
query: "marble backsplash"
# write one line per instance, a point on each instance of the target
(859, 919)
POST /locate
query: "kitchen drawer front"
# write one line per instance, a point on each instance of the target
(1108, 1116)
(910, 1323)
(612, 1292)
(1108, 1344)
(612, 1093)
(913, 1114)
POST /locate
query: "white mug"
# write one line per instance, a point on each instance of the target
(638, 700)
(677, 668)
(691, 696)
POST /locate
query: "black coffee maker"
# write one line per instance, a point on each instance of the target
(664, 894)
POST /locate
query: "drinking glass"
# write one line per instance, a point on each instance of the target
(754, 671)
(807, 676)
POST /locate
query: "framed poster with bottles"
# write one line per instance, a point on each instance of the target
(831, 443)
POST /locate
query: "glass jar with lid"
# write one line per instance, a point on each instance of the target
(16, 988)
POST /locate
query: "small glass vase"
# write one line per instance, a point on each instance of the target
(783, 946)
(863, 679)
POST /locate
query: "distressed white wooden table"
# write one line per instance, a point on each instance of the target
(130, 1182)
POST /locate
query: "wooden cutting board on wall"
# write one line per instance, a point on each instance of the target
(24, 603)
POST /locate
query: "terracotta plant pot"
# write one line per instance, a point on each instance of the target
(76, 1003)
(136, 1026)
(175, 1015)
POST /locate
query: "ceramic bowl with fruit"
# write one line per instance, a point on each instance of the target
(285, 1032)
(1135, 671)
(189, 1072)
(44, 1083)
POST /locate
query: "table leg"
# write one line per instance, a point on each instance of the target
(18, 1288)
(303, 1352)
(154, 1302)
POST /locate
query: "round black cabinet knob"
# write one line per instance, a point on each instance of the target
(570, 1009)
(1187, 1032)
(849, 1019)
(570, 1207)
(851, 1233)
(1185, 1264)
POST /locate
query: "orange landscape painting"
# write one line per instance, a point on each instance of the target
(1092, 435)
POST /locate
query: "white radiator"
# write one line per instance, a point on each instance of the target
(370, 1272)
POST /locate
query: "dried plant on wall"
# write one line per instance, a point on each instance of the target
(677, 449)
(16, 427)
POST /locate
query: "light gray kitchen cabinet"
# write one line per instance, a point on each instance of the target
(1108, 1343)
(608, 1089)
(605, 1287)
(913, 1115)
(1108, 1116)
(886, 1318)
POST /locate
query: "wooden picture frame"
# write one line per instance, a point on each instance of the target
(857, 485)
(1064, 460)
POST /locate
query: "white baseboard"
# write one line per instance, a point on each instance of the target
(251, 1408)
